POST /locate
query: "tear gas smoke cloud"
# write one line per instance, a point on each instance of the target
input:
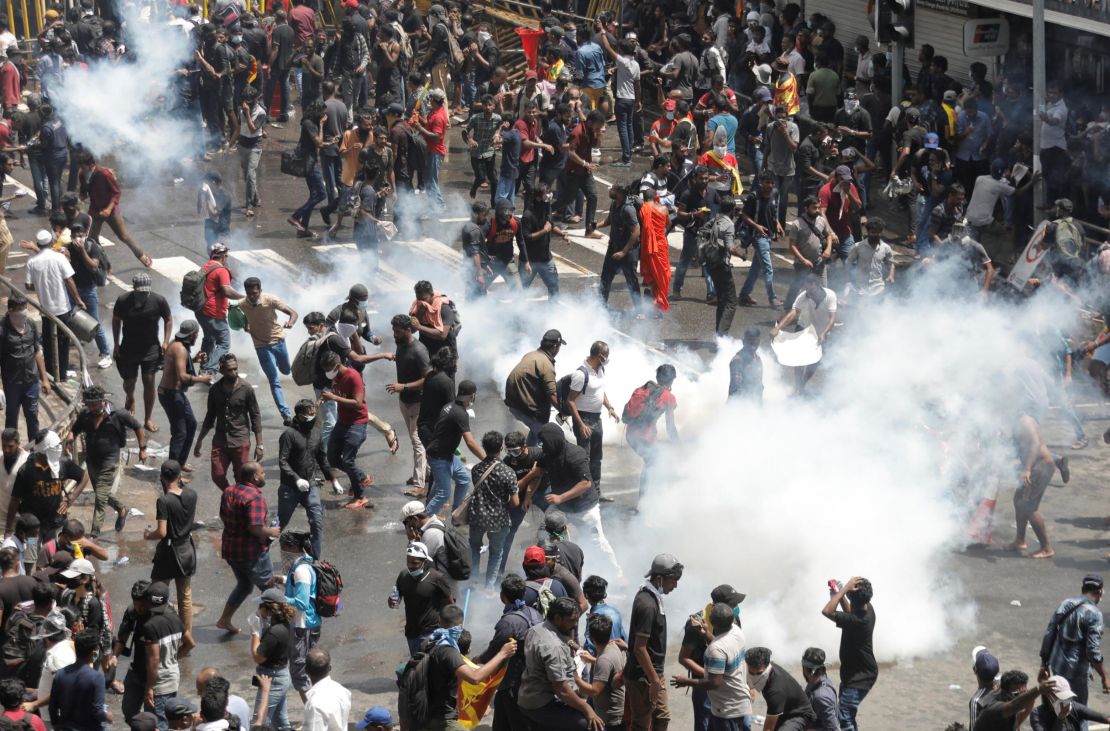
(117, 108)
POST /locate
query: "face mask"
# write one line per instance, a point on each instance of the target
(260, 483)
(758, 681)
(548, 197)
(363, 305)
(18, 319)
(570, 34)
(307, 419)
(95, 657)
(287, 561)
(669, 115)
(331, 374)
(515, 451)
(874, 240)
(720, 151)
(417, 573)
(736, 614)
(1061, 708)
(32, 542)
(851, 105)
(483, 36)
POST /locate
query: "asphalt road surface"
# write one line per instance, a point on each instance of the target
(366, 642)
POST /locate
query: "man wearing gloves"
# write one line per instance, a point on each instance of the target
(300, 452)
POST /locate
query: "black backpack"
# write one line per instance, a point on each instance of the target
(100, 276)
(562, 389)
(451, 318)
(454, 557)
(192, 288)
(412, 691)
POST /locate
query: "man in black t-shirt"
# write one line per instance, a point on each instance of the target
(1013, 698)
(536, 228)
(623, 253)
(788, 707)
(413, 366)
(84, 255)
(438, 391)
(135, 317)
(850, 607)
(697, 207)
(452, 428)
(38, 486)
(425, 591)
(157, 638)
(175, 556)
(105, 433)
(647, 631)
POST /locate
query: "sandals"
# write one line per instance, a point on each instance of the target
(391, 440)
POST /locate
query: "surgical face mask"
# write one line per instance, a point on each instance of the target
(363, 304)
(720, 150)
(515, 451)
(1061, 708)
(17, 318)
(570, 34)
(332, 373)
(669, 115)
(260, 483)
(851, 105)
(416, 574)
(306, 418)
(736, 614)
(483, 36)
(31, 542)
(759, 681)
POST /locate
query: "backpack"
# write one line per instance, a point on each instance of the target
(192, 288)
(643, 405)
(1068, 237)
(31, 667)
(100, 276)
(303, 367)
(711, 249)
(562, 390)
(544, 595)
(412, 691)
(403, 39)
(455, 57)
(454, 557)
(328, 587)
(451, 318)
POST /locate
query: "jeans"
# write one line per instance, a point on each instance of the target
(850, 698)
(22, 395)
(516, 517)
(762, 266)
(624, 110)
(276, 712)
(289, 497)
(627, 267)
(414, 643)
(431, 177)
(134, 689)
(55, 167)
(343, 451)
(331, 169)
(278, 78)
(721, 277)
(91, 298)
(314, 178)
(923, 206)
(249, 575)
(216, 341)
(183, 425)
(531, 422)
(39, 181)
(555, 716)
(248, 160)
(573, 183)
(742, 723)
(302, 640)
(484, 171)
(703, 713)
(589, 522)
(592, 443)
(547, 272)
(274, 358)
(328, 413)
(506, 189)
(103, 477)
(689, 253)
(755, 152)
(784, 184)
(444, 472)
(844, 247)
(496, 546)
(55, 347)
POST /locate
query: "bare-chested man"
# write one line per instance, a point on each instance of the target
(135, 317)
(177, 376)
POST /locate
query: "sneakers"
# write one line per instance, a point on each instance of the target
(121, 518)
(104, 362)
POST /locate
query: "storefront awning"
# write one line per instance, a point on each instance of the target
(1025, 9)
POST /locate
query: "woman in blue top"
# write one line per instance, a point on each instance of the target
(300, 591)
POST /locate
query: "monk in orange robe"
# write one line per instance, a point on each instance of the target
(655, 252)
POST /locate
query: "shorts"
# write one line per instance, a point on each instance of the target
(129, 367)
(1027, 498)
(1102, 354)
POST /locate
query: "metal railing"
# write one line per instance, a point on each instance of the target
(64, 421)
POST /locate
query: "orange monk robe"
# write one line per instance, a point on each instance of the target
(655, 253)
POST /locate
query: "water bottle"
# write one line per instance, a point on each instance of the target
(595, 155)
(394, 598)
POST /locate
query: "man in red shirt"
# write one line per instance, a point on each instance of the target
(840, 205)
(302, 19)
(245, 543)
(352, 416)
(433, 128)
(579, 173)
(660, 135)
(9, 82)
(529, 127)
(212, 317)
(99, 186)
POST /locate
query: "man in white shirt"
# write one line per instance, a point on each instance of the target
(50, 275)
(988, 190)
(726, 674)
(329, 703)
(59, 653)
(585, 400)
(871, 261)
(210, 678)
(815, 306)
(1054, 142)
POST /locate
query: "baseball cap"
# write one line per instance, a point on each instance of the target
(158, 594)
(79, 567)
(416, 549)
(51, 14)
(145, 721)
(725, 593)
(762, 94)
(984, 663)
(669, 105)
(358, 292)
(376, 716)
(554, 521)
(528, 75)
(186, 329)
(913, 114)
(932, 141)
(274, 595)
(54, 624)
(950, 96)
(395, 109)
(534, 556)
(411, 508)
(555, 31)
(1092, 580)
(179, 708)
(843, 172)
(218, 250)
(141, 282)
(1060, 688)
(352, 4)
(554, 336)
(44, 238)
(1067, 205)
(665, 564)
(77, 226)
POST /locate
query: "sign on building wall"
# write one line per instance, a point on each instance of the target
(986, 37)
(953, 7)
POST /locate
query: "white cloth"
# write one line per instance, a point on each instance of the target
(48, 271)
(980, 211)
(590, 520)
(327, 707)
(57, 657)
(7, 482)
(591, 399)
(811, 313)
(796, 349)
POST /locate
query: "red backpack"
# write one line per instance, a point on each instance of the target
(643, 406)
